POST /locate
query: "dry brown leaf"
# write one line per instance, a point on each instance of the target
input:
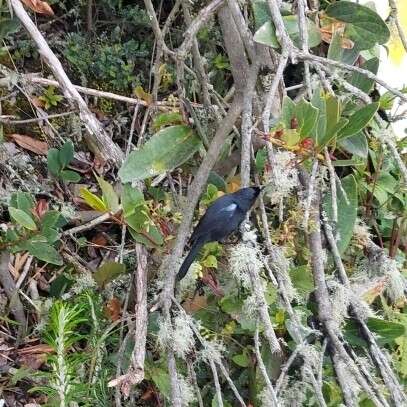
(113, 309)
(31, 144)
(192, 305)
(99, 240)
(19, 262)
(39, 6)
(40, 208)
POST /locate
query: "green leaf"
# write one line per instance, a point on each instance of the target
(318, 101)
(23, 201)
(166, 119)
(53, 219)
(335, 50)
(110, 198)
(60, 285)
(358, 120)
(66, 153)
(346, 212)
(69, 176)
(132, 198)
(93, 200)
(388, 331)
(166, 150)
(307, 116)
(360, 81)
(242, 359)
(356, 145)
(8, 26)
(210, 261)
(288, 111)
(54, 165)
(108, 272)
(266, 34)
(39, 248)
(333, 112)
(150, 238)
(292, 27)
(261, 13)
(364, 26)
(291, 137)
(22, 218)
(348, 163)
(301, 278)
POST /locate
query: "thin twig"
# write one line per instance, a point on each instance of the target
(394, 14)
(8, 120)
(263, 369)
(332, 183)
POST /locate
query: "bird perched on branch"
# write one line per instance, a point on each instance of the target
(221, 219)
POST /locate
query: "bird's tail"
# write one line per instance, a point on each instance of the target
(190, 258)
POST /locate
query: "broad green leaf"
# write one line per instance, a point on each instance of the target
(266, 34)
(8, 26)
(292, 27)
(69, 176)
(261, 13)
(364, 26)
(210, 261)
(361, 81)
(358, 120)
(333, 112)
(335, 50)
(307, 116)
(66, 153)
(54, 165)
(301, 278)
(53, 219)
(291, 137)
(60, 285)
(93, 200)
(287, 112)
(387, 331)
(386, 100)
(108, 272)
(23, 201)
(356, 145)
(161, 379)
(318, 101)
(42, 250)
(348, 163)
(110, 198)
(242, 359)
(166, 119)
(132, 198)
(22, 218)
(215, 179)
(150, 237)
(166, 150)
(346, 211)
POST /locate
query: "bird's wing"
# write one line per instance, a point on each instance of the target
(219, 212)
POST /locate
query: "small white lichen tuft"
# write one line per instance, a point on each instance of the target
(243, 257)
(186, 390)
(294, 395)
(212, 350)
(340, 301)
(182, 335)
(84, 282)
(284, 177)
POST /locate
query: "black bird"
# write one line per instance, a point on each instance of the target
(221, 219)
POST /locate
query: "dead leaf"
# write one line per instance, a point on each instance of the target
(113, 309)
(19, 262)
(40, 208)
(233, 185)
(99, 240)
(34, 356)
(338, 27)
(37, 102)
(192, 305)
(31, 144)
(39, 6)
